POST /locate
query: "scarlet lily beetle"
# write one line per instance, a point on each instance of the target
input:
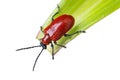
(53, 32)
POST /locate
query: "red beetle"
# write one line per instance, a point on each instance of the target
(53, 32)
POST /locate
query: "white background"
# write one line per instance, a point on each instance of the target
(94, 55)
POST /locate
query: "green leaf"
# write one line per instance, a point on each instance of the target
(85, 12)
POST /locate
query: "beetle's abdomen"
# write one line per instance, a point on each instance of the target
(59, 27)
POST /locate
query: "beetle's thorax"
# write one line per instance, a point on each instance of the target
(46, 39)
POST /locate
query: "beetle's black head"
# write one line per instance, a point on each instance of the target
(43, 45)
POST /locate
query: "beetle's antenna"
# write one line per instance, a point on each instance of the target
(37, 58)
(28, 47)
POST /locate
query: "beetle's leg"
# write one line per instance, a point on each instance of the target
(52, 46)
(40, 31)
(56, 12)
(59, 45)
(41, 28)
(66, 35)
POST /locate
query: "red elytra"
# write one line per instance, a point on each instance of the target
(54, 31)
(57, 28)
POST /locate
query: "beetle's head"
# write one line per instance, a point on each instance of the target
(43, 45)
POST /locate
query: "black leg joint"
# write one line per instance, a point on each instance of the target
(52, 46)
